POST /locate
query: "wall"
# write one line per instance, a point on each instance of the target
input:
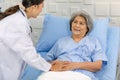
(97, 9)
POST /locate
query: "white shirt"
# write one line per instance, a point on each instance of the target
(16, 47)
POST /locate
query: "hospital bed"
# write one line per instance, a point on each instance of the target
(55, 27)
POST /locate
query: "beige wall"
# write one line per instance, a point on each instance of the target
(97, 9)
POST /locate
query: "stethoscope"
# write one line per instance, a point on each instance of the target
(24, 16)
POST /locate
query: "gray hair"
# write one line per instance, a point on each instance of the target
(86, 16)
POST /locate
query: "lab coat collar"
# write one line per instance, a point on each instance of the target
(23, 12)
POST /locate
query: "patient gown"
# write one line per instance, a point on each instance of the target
(86, 50)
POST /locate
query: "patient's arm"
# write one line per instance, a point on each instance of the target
(66, 66)
(90, 66)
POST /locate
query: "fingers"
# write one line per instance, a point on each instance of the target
(66, 62)
(60, 62)
(59, 65)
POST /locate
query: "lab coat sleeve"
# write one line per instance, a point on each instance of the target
(18, 40)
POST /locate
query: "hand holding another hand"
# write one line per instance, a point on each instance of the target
(58, 65)
(64, 65)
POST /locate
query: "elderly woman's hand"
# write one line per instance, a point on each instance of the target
(58, 65)
(71, 66)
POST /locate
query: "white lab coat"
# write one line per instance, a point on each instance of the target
(16, 47)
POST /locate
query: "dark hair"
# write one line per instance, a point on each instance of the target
(12, 10)
(9, 11)
(86, 16)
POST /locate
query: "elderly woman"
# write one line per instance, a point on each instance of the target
(80, 55)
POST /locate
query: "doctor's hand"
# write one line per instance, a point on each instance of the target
(58, 65)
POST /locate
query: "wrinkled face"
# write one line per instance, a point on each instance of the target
(79, 27)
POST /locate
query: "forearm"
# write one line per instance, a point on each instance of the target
(90, 66)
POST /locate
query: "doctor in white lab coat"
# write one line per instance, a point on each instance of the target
(16, 46)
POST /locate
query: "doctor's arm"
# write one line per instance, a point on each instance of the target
(19, 41)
